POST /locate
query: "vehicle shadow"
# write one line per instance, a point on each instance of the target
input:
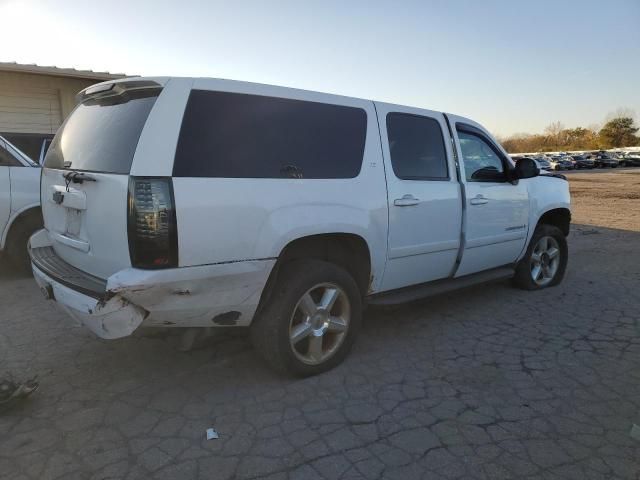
(8, 271)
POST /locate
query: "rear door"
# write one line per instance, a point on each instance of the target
(496, 210)
(86, 176)
(425, 210)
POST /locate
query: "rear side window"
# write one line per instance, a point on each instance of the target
(417, 147)
(234, 135)
(101, 135)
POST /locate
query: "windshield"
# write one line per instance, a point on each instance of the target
(101, 135)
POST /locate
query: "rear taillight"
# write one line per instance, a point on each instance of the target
(152, 228)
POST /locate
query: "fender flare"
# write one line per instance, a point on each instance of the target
(535, 219)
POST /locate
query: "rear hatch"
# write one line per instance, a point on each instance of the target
(85, 179)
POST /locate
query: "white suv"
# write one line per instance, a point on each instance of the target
(20, 214)
(200, 203)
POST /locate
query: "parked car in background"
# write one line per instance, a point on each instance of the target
(555, 164)
(580, 161)
(20, 213)
(567, 161)
(629, 159)
(159, 211)
(563, 163)
(603, 160)
(34, 146)
(543, 163)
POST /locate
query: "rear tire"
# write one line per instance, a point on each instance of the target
(545, 261)
(295, 332)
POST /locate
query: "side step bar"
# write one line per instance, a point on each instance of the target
(424, 290)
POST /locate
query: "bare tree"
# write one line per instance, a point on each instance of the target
(621, 112)
(553, 132)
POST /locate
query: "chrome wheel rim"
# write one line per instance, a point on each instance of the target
(319, 323)
(545, 260)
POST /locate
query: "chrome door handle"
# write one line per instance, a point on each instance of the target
(478, 200)
(406, 201)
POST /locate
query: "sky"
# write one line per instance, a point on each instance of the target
(513, 66)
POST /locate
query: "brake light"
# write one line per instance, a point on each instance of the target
(152, 227)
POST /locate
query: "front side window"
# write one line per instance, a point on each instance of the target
(233, 135)
(481, 162)
(417, 147)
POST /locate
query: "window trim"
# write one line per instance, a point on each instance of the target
(444, 148)
(476, 132)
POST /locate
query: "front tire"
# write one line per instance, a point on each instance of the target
(311, 320)
(545, 262)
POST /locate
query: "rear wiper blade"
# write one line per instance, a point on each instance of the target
(78, 177)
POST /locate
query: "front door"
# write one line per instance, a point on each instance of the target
(6, 160)
(496, 210)
(425, 211)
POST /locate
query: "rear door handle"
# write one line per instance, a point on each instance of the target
(478, 200)
(406, 201)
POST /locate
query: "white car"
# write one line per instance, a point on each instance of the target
(556, 164)
(200, 203)
(20, 213)
(542, 163)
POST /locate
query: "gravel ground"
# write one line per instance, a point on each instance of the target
(492, 382)
(610, 199)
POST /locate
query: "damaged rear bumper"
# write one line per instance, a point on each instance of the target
(224, 294)
(110, 319)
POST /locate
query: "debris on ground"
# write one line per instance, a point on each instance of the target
(211, 434)
(12, 391)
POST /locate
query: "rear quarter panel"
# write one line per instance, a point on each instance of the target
(237, 219)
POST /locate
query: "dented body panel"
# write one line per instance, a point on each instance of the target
(225, 294)
(194, 296)
(115, 318)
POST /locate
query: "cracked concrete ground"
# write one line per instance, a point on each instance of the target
(491, 382)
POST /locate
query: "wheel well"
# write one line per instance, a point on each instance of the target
(347, 250)
(31, 216)
(558, 217)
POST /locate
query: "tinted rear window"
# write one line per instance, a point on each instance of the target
(234, 135)
(417, 147)
(101, 135)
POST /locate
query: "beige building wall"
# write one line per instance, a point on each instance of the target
(36, 103)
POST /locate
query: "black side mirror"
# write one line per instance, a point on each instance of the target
(488, 174)
(526, 168)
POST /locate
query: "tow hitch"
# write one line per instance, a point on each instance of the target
(47, 292)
